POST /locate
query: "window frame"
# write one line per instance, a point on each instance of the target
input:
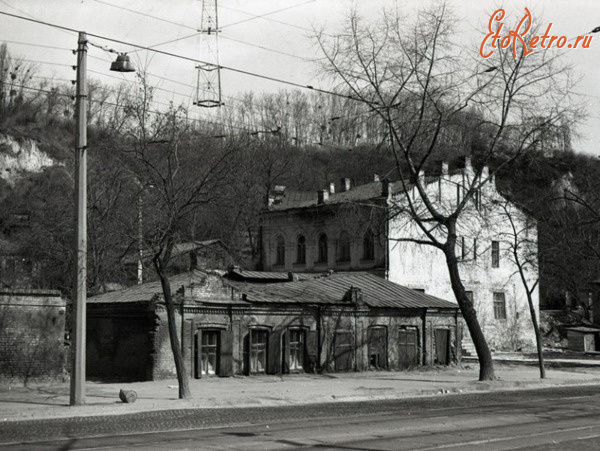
(301, 250)
(322, 248)
(280, 250)
(499, 305)
(495, 254)
(344, 250)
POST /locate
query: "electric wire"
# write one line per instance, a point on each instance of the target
(195, 60)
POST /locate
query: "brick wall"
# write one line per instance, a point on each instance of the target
(32, 327)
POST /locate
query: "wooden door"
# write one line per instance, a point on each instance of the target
(442, 346)
(377, 347)
(407, 348)
(343, 351)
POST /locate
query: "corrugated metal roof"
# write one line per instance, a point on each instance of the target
(364, 192)
(146, 291)
(376, 292)
(178, 249)
(265, 275)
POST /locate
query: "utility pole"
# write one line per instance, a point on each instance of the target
(78, 320)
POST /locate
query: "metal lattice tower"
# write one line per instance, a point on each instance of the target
(208, 88)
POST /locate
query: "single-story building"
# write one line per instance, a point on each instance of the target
(583, 338)
(248, 322)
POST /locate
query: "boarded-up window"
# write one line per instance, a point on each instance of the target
(499, 306)
(407, 348)
(226, 355)
(377, 347)
(343, 351)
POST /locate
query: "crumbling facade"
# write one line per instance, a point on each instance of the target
(260, 323)
(368, 228)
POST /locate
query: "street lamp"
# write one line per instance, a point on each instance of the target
(77, 384)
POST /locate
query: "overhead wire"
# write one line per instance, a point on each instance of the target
(195, 60)
(199, 33)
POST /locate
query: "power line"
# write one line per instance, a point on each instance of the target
(198, 33)
(195, 60)
(263, 16)
(36, 45)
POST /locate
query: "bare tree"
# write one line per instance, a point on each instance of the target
(521, 238)
(185, 171)
(424, 86)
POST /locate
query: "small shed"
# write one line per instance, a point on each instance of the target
(583, 338)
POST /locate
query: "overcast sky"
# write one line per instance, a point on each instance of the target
(281, 47)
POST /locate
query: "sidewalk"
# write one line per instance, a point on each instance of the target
(45, 401)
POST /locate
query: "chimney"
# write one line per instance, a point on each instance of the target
(278, 193)
(332, 188)
(322, 196)
(375, 177)
(468, 164)
(345, 182)
(444, 168)
(293, 277)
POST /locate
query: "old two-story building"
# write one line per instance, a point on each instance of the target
(367, 228)
(249, 322)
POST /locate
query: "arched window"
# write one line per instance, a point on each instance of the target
(368, 246)
(322, 251)
(301, 250)
(344, 247)
(280, 255)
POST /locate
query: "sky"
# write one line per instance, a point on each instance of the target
(280, 44)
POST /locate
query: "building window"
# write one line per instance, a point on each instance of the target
(258, 350)
(344, 247)
(460, 248)
(301, 250)
(280, 249)
(474, 248)
(368, 246)
(495, 254)
(469, 296)
(296, 350)
(499, 306)
(322, 251)
(210, 352)
(458, 193)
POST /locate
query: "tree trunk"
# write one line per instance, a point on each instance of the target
(486, 364)
(182, 375)
(538, 337)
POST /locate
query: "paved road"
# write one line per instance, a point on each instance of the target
(554, 419)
